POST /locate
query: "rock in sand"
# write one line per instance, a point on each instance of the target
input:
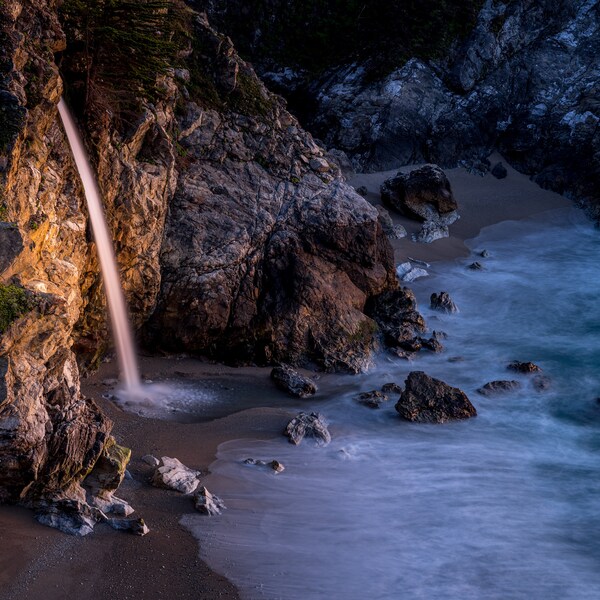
(208, 504)
(174, 475)
(292, 382)
(311, 425)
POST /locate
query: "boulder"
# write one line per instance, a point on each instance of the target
(424, 194)
(396, 314)
(372, 399)
(430, 232)
(406, 272)
(493, 388)
(72, 516)
(523, 367)
(394, 232)
(274, 465)
(443, 302)
(135, 526)
(429, 400)
(432, 344)
(499, 171)
(150, 460)
(174, 475)
(292, 382)
(475, 266)
(311, 425)
(208, 504)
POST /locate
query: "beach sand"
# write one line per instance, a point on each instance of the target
(38, 562)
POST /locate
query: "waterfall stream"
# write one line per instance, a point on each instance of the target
(116, 302)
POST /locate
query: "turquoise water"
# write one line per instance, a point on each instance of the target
(502, 506)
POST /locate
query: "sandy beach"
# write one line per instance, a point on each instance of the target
(38, 562)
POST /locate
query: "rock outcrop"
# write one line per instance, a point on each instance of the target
(429, 400)
(443, 303)
(494, 388)
(525, 81)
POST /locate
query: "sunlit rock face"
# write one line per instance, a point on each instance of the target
(49, 435)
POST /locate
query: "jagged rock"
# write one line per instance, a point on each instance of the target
(391, 388)
(394, 232)
(484, 254)
(11, 244)
(274, 465)
(443, 302)
(110, 505)
(406, 272)
(135, 526)
(494, 388)
(311, 425)
(423, 194)
(151, 460)
(174, 475)
(320, 165)
(429, 400)
(109, 470)
(372, 399)
(208, 504)
(292, 382)
(499, 171)
(523, 367)
(71, 516)
(413, 345)
(475, 266)
(397, 316)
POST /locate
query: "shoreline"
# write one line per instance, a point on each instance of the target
(41, 562)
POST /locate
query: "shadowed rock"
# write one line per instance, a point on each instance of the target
(443, 302)
(311, 425)
(372, 399)
(429, 400)
(523, 367)
(391, 388)
(292, 382)
(494, 388)
(499, 171)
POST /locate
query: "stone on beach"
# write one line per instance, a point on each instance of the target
(429, 400)
(135, 526)
(493, 388)
(311, 425)
(291, 381)
(151, 460)
(207, 503)
(274, 465)
(174, 475)
(443, 302)
(406, 272)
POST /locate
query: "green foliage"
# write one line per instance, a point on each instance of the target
(3, 211)
(118, 49)
(13, 303)
(364, 332)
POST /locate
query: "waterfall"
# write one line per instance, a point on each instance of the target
(116, 302)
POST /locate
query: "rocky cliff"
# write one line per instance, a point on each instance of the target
(235, 233)
(524, 81)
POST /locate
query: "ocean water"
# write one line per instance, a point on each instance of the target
(502, 506)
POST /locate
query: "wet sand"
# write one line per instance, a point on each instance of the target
(38, 562)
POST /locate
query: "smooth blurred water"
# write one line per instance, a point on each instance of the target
(502, 506)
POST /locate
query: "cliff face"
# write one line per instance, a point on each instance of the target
(524, 81)
(235, 237)
(49, 435)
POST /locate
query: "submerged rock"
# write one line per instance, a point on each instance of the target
(391, 388)
(207, 503)
(429, 400)
(291, 381)
(372, 399)
(174, 475)
(311, 425)
(523, 367)
(443, 302)
(494, 388)
(541, 383)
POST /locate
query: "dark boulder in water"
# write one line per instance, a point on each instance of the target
(429, 400)
(311, 425)
(541, 383)
(523, 367)
(494, 388)
(443, 302)
(499, 171)
(391, 388)
(292, 382)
